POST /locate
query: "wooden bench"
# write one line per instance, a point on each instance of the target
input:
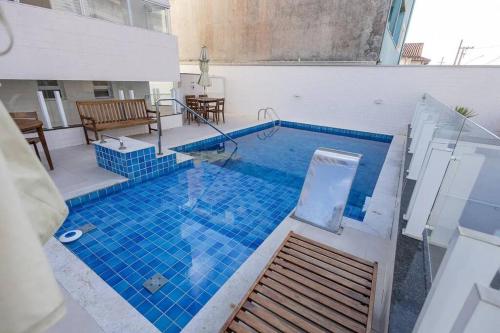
(308, 287)
(110, 114)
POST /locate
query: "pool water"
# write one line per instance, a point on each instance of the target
(197, 226)
(282, 155)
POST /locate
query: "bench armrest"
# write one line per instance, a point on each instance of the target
(92, 120)
(151, 112)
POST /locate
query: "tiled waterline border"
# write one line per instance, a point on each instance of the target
(104, 192)
(204, 143)
(308, 127)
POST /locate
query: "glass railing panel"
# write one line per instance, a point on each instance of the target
(469, 195)
(448, 122)
(138, 13)
(115, 11)
(149, 16)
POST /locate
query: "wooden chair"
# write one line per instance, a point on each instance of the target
(193, 104)
(32, 140)
(220, 109)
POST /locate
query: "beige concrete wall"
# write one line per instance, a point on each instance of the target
(280, 30)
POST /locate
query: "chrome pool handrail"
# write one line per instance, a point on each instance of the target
(158, 120)
(122, 145)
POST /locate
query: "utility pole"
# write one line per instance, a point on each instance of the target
(462, 50)
(458, 51)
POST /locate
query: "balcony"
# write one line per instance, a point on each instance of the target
(137, 13)
(90, 40)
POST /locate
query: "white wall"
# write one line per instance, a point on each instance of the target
(59, 45)
(347, 96)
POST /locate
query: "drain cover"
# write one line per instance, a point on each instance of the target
(154, 283)
(87, 227)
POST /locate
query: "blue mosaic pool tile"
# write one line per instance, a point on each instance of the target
(197, 225)
(104, 192)
(158, 228)
(138, 165)
(338, 131)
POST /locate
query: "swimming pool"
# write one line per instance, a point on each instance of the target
(197, 226)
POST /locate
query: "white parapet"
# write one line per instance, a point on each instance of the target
(472, 258)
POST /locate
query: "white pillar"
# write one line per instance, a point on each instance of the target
(121, 95)
(174, 94)
(426, 189)
(129, 9)
(43, 109)
(60, 108)
(131, 94)
(421, 147)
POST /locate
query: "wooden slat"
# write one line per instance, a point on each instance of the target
(324, 281)
(319, 297)
(270, 317)
(286, 314)
(299, 309)
(327, 274)
(332, 293)
(333, 256)
(238, 328)
(328, 248)
(313, 305)
(255, 322)
(308, 287)
(326, 266)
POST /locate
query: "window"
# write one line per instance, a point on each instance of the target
(48, 87)
(396, 17)
(102, 89)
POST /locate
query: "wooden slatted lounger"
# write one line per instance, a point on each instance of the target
(308, 287)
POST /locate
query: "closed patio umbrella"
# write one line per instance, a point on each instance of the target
(204, 79)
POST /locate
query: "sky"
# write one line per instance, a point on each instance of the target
(441, 24)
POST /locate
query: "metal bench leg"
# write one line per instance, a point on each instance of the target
(86, 135)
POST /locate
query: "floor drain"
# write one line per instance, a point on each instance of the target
(86, 228)
(154, 283)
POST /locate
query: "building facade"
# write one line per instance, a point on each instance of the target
(248, 31)
(412, 54)
(82, 50)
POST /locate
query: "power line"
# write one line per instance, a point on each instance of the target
(489, 62)
(473, 59)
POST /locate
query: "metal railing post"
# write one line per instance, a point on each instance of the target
(158, 126)
(188, 109)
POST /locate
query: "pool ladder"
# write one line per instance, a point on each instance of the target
(271, 112)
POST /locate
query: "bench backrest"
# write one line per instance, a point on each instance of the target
(107, 111)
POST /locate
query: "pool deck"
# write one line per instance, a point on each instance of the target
(102, 309)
